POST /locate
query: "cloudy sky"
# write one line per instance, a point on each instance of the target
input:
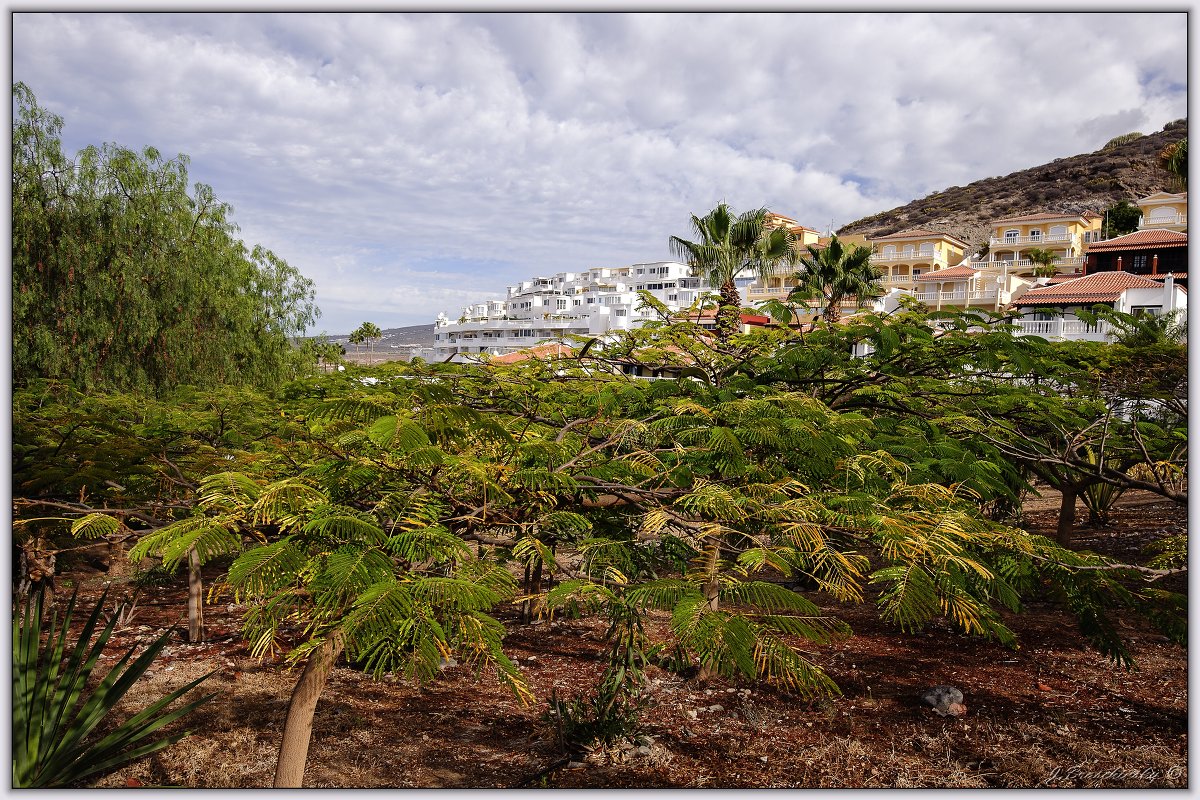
(413, 163)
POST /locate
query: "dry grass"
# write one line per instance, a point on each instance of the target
(1050, 714)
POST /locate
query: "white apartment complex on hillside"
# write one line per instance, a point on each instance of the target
(549, 309)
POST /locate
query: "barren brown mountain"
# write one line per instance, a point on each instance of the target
(1121, 170)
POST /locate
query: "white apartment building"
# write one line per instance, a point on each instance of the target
(550, 309)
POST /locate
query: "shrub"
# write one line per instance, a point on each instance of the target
(54, 710)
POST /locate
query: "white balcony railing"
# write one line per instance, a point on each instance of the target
(480, 325)
(959, 296)
(1161, 221)
(1011, 241)
(1064, 328)
(916, 258)
(1060, 263)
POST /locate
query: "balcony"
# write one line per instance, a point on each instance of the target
(1064, 328)
(478, 326)
(1162, 221)
(763, 292)
(959, 296)
(1062, 264)
(1033, 241)
(911, 258)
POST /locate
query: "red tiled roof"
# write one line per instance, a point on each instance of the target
(952, 274)
(1161, 275)
(1042, 216)
(1099, 287)
(1140, 240)
(916, 233)
(551, 350)
(711, 313)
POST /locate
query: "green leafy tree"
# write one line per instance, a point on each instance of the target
(729, 245)
(391, 528)
(834, 274)
(123, 279)
(1121, 218)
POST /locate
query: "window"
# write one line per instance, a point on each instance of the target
(591, 299)
(1146, 311)
(1057, 232)
(1035, 235)
(889, 251)
(1012, 235)
(621, 312)
(1138, 262)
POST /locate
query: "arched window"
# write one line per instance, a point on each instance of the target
(1035, 235)
(889, 251)
(1012, 235)
(927, 250)
(1058, 232)
(909, 251)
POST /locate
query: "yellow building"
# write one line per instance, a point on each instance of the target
(780, 282)
(1163, 211)
(1065, 235)
(903, 256)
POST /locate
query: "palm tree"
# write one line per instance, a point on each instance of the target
(1173, 159)
(728, 245)
(365, 333)
(370, 331)
(1045, 262)
(836, 273)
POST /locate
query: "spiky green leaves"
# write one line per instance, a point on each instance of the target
(56, 708)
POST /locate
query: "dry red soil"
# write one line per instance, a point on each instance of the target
(1051, 713)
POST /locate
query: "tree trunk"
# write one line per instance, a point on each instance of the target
(527, 606)
(195, 598)
(297, 730)
(536, 586)
(729, 311)
(1066, 514)
(712, 588)
(833, 310)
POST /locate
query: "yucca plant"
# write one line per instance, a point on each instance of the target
(55, 710)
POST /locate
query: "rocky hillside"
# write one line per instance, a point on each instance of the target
(1088, 182)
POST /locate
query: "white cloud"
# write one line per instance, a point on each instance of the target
(512, 144)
